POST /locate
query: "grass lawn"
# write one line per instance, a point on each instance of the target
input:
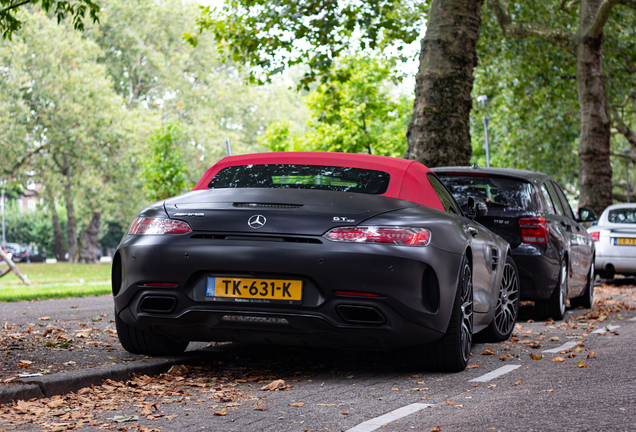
(59, 280)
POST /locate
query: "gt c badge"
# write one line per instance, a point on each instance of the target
(257, 221)
(342, 219)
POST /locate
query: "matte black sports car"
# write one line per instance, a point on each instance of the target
(320, 249)
(554, 254)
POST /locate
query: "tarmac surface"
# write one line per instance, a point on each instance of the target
(582, 377)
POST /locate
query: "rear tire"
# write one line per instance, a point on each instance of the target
(139, 341)
(507, 310)
(451, 352)
(554, 307)
(587, 298)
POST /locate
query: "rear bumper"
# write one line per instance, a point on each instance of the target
(538, 273)
(403, 315)
(621, 265)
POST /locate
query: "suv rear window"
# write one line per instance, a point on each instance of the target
(496, 192)
(622, 216)
(282, 176)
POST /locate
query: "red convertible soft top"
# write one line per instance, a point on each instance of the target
(409, 179)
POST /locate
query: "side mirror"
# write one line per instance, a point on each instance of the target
(586, 215)
(476, 208)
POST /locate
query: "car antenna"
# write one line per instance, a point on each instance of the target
(475, 166)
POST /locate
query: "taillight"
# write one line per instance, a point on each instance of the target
(533, 230)
(376, 234)
(142, 225)
(596, 236)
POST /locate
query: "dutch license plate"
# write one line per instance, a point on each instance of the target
(254, 289)
(625, 241)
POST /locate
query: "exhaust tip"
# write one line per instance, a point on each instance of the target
(360, 314)
(158, 304)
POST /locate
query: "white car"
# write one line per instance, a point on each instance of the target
(615, 237)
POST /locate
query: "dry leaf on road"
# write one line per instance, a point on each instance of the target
(558, 359)
(274, 386)
(488, 352)
(536, 357)
(296, 404)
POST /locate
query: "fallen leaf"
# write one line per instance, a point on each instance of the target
(449, 403)
(44, 318)
(233, 404)
(179, 370)
(591, 355)
(123, 419)
(518, 382)
(274, 385)
(488, 352)
(420, 389)
(69, 363)
(470, 367)
(260, 406)
(84, 333)
(536, 357)
(580, 343)
(581, 364)
(345, 413)
(549, 391)
(436, 429)
(296, 404)
(395, 389)
(554, 339)
(506, 356)
(221, 412)
(558, 359)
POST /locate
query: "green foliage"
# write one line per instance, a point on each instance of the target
(271, 35)
(356, 110)
(164, 171)
(10, 22)
(33, 227)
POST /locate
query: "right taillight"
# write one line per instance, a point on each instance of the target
(533, 230)
(596, 236)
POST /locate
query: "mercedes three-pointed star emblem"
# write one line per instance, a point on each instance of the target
(257, 221)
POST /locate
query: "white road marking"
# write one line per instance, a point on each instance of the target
(606, 329)
(565, 346)
(496, 373)
(378, 422)
(632, 319)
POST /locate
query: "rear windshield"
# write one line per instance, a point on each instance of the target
(343, 179)
(497, 192)
(624, 216)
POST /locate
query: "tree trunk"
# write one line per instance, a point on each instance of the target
(88, 243)
(58, 235)
(439, 133)
(71, 223)
(595, 170)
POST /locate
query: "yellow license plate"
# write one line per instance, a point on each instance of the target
(254, 289)
(625, 241)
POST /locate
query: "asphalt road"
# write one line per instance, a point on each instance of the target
(593, 388)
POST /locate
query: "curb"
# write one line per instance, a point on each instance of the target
(67, 382)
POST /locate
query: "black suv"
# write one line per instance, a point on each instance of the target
(554, 254)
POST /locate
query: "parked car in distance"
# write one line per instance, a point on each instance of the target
(615, 238)
(21, 253)
(554, 254)
(314, 249)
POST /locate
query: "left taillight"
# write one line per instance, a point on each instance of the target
(158, 226)
(534, 230)
(376, 234)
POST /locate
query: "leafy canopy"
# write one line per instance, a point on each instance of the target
(164, 171)
(10, 22)
(271, 35)
(356, 110)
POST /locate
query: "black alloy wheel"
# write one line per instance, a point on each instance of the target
(507, 310)
(554, 307)
(451, 352)
(587, 298)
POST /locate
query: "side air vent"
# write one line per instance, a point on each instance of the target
(495, 259)
(263, 205)
(240, 237)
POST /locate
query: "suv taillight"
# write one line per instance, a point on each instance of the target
(596, 236)
(533, 230)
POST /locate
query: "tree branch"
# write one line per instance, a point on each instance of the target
(566, 6)
(510, 28)
(13, 6)
(602, 16)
